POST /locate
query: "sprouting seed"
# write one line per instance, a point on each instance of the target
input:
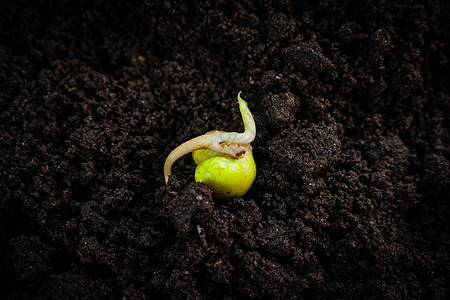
(224, 159)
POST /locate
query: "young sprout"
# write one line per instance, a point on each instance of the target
(224, 159)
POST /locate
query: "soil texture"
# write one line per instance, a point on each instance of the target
(351, 102)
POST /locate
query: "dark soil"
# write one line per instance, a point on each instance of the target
(352, 106)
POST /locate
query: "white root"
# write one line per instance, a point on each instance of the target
(229, 143)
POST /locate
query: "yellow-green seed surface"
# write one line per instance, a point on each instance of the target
(203, 154)
(225, 176)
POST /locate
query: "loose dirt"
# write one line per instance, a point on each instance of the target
(351, 101)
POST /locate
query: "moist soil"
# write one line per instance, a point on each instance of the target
(351, 102)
